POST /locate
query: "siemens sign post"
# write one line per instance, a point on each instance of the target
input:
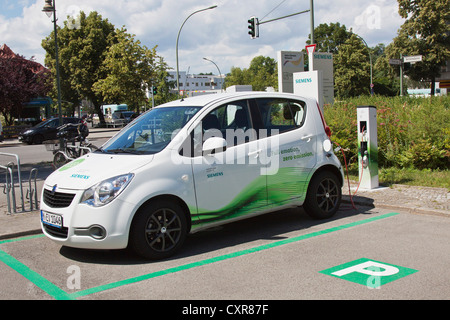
(323, 61)
(318, 82)
(289, 62)
(309, 84)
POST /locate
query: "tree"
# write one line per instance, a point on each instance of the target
(328, 38)
(129, 67)
(237, 76)
(425, 32)
(164, 85)
(20, 81)
(262, 73)
(352, 71)
(82, 51)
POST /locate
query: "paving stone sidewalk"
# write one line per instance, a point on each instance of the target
(410, 198)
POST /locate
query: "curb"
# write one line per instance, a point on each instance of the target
(20, 234)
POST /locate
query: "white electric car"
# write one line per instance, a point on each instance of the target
(192, 164)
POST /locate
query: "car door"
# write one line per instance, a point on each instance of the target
(290, 143)
(50, 129)
(228, 183)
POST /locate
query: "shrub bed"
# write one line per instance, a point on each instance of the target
(412, 132)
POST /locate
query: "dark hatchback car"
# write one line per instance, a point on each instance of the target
(46, 130)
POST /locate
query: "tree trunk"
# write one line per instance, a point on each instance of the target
(433, 86)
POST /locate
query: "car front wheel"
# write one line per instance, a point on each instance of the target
(158, 230)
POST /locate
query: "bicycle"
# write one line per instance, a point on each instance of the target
(63, 152)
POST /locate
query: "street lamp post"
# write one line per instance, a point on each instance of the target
(50, 9)
(178, 37)
(221, 87)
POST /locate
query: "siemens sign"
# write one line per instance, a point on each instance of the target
(305, 80)
(309, 84)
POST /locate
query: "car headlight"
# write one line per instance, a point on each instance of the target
(106, 191)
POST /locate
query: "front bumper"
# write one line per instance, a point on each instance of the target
(25, 139)
(88, 227)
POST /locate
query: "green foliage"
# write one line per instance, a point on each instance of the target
(424, 32)
(162, 82)
(352, 72)
(412, 132)
(81, 54)
(262, 73)
(328, 37)
(410, 176)
(104, 65)
(128, 67)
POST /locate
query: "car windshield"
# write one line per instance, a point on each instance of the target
(50, 122)
(151, 132)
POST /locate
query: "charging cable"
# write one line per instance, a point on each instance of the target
(348, 179)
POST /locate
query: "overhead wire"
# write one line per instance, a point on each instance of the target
(273, 10)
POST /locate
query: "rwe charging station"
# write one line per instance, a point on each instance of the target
(367, 147)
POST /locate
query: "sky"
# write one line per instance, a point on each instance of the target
(219, 34)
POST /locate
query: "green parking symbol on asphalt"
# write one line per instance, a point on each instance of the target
(367, 272)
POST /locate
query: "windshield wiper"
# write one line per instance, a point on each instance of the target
(101, 150)
(121, 150)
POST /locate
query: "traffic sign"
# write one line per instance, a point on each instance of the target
(310, 48)
(412, 59)
(395, 61)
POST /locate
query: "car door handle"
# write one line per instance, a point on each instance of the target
(254, 153)
(308, 137)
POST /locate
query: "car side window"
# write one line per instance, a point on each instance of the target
(230, 121)
(281, 115)
(53, 124)
(232, 115)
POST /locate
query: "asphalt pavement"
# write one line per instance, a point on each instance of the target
(413, 199)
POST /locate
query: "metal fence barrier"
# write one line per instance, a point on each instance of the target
(9, 186)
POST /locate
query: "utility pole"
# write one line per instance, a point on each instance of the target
(401, 75)
(311, 7)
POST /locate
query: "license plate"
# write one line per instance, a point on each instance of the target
(52, 219)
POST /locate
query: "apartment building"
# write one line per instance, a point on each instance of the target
(196, 84)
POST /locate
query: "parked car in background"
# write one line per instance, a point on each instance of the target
(122, 117)
(46, 130)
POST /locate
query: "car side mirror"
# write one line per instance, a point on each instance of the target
(213, 145)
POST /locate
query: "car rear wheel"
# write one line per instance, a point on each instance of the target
(324, 196)
(158, 230)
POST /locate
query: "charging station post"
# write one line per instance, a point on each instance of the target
(367, 147)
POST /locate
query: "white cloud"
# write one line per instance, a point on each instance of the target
(219, 34)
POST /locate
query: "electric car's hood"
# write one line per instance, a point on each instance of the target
(84, 172)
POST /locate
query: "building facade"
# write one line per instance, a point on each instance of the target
(193, 84)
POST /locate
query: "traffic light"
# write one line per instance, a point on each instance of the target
(253, 26)
(154, 90)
